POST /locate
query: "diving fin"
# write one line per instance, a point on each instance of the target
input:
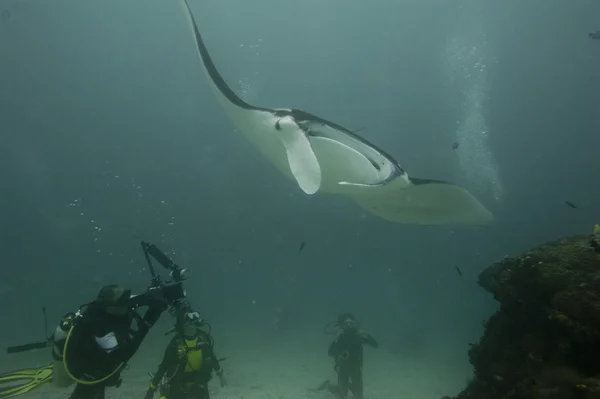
(36, 378)
(325, 385)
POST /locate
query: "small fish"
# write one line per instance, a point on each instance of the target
(458, 270)
(302, 245)
(455, 145)
(571, 205)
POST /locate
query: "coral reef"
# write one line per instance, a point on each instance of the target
(544, 341)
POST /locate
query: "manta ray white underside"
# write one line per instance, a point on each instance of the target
(322, 156)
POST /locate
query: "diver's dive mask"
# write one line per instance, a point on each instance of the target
(347, 322)
(349, 325)
(114, 299)
(191, 323)
(192, 317)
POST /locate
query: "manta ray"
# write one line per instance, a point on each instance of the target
(322, 156)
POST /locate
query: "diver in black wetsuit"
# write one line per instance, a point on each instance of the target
(99, 342)
(188, 362)
(347, 352)
(595, 35)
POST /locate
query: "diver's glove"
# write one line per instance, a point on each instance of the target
(143, 327)
(222, 379)
(150, 392)
(368, 339)
(152, 315)
(137, 337)
(114, 381)
(155, 310)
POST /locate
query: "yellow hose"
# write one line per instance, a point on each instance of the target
(69, 372)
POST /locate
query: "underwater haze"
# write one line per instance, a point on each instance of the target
(110, 134)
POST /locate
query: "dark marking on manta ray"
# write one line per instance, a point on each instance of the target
(277, 126)
(375, 164)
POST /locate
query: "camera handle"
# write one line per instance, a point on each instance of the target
(177, 273)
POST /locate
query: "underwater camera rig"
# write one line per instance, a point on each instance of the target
(170, 291)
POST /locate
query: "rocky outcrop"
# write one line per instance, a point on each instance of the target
(544, 341)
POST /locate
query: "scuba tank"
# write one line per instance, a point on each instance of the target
(59, 337)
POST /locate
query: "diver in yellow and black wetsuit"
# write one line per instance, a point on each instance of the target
(188, 362)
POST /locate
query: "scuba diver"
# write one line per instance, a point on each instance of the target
(595, 35)
(188, 362)
(104, 340)
(92, 346)
(347, 352)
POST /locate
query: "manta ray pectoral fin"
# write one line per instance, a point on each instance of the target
(301, 157)
(424, 202)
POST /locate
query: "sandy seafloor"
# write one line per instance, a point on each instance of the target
(284, 365)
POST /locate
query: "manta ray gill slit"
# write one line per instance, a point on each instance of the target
(375, 164)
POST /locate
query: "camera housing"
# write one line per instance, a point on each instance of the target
(173, 292)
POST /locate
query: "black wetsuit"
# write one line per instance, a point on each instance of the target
(189, 382)
(595, 35)
(347, 351)
(99, 343)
